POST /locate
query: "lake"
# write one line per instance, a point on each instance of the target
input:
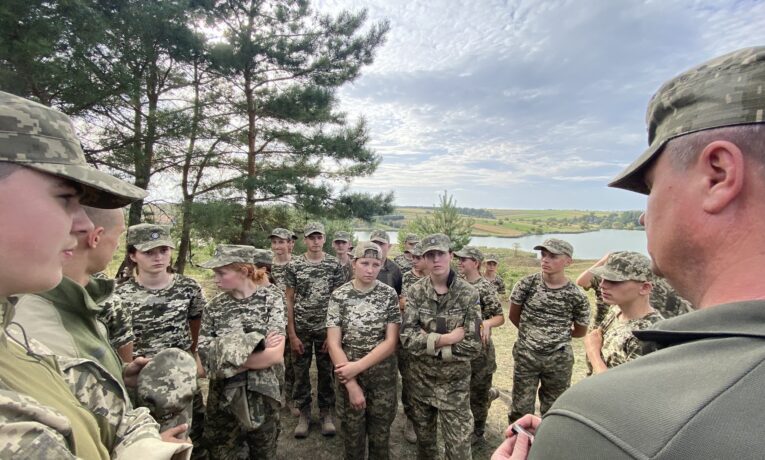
(590, 245)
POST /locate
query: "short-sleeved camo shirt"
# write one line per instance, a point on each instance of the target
(313, 283)
(490, 305)
(363, 317)
(408, 280)
(118, 322)
(619, 344)
(161, 316)
(279, 272)
(499, 285)
(547, 313)
(403, 263)
(601, 308)
(666, 301)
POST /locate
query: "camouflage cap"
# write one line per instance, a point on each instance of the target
(282, 233)
(226, 254)
(293, 235)
(436, 242)
(470, 252)
(313, 227)
(417, 250)
(146, 237)
(342, 236)
(556, 246)
(412, 238)
(379, 236)
(725, 91)
(43, 139)
(491, 258)
(368, 249)
(625, 266)
(263, 256)
(166, 386)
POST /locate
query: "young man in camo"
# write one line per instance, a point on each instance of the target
(492, 263)
(281, 247)
(548, 309)
(341, 244)
(390, 274)
(404, 260)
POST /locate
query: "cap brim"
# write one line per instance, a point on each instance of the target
(379, 241)
(609, 275)
(101, 190)
(548, 249)
(632, 177)
(154, 244)
(315, 231)
(435, 248)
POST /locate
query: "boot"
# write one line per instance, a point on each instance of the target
(409, 433)
(327, 423)
(301, 430)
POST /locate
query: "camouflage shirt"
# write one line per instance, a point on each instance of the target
(347, 271)
(161, 316)
(547, 314)
(279, 273)
(666, 301)
(441, 377)
(619, 344)
(490, 307)
(403, 263)
(363, 317)
(601, 308)
(408, 280)
(232, 328)
(499, 285)
(313, 284)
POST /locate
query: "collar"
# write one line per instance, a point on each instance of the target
(449, 282)
(70, 296)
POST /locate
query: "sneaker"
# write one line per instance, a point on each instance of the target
(493, 394)
(327, 423)
(409, 433)
(301, 430)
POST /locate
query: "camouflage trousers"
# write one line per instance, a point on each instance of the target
(550, 373)
(372, 425)
(227, 438)
(301, 391)
(456, 425)
(481, 375)
(198, 423)
(289, 371)
(406, 398)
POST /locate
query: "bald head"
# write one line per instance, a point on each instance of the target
(106, 218)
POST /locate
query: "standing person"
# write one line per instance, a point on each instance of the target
(242, 346)
(311, 278)
(404, 260)
(548, 309)
(626, 284)
(492, 264)
(440, 333)
(281, 247)
(341, 244)
(362, 333)
(166, 307)
(703, 174)
(485, 364)
(43, 179)
(390, 274)
(588, 280)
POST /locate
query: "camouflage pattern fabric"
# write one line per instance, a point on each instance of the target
(118, 322)
(166, 386)
(313, 283)
(556, 246)
(301, 364)
(404, 264)
(279, 273)
(407, 281)
(601, 308)
(390, 274)
(485, 364)
(313, 227)
(550, 372)
(439, 379)
(42, 138)
(547, 313)
(226, 254)
(666, 300)
(625, 266)
(161, 316)
(619, 344)
(499, 285)
(347, 271)
(242, 411)
(146, 237)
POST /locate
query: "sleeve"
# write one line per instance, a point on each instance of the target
(197, 300)
(277, 318)
(118, 322)
(581, 308)
(632, 349)
(206, 336)
(392, 310)
(412, 339)
(501, 286)
(490, 303)
(290, 279)
(559, 430)
(470, 346)
(521, 291)
(338, 276)
(333, 312)
(594, 282)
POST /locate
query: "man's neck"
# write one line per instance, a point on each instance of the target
(554, 280)
(490, 276)
(344, 258)
(440, 283)
(472, 277)
(314, 256)
(282, 259)
(76, 270)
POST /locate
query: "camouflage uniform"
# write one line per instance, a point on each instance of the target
(483, 366)
(404, 264)
(363, 318)
(118, 322)
(666, 301)
(409, 279)
(439, 379)
(601, 308)
(313, 283)
(499, 285)
(542, 353)
(619, 344)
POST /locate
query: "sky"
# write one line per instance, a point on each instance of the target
(526, 104)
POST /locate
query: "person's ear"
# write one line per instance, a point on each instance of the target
(721, 165)
(94, 237)
(646, 288)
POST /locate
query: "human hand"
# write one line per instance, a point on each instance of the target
(485, 334)
(346, 371)
(130, 374)
(516, 446)
(594, 340)
(274, 339)
(325, 346)
(176, 434)
(356, 396)
(296, 345)
(456, 335)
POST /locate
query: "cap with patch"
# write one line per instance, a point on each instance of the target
(436, 242)
(43, 139)
(556, 246)
(470, 252)
(282, 233)
(226, 254)
(412, 238)
(146, 237)
(166, 386)
(725, 91)
(367, 249)
(313, 227)
(263, 256)
(625, 266)
(417, 250)
(379, 236)
(491, 258)
(342, 236)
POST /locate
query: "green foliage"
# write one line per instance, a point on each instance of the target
(444, 219)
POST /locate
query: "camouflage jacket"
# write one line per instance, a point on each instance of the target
(666, 301)
(161, 316)
(619, 344)
(547, 314)
(390, 274)
(363, 317)
(279, 273)
(404, 264)
(408, 280)
(232, 328)
(601, 308)
(54, 407)
(499, 285)
(490, 307)
(441, 377)
(313, 284)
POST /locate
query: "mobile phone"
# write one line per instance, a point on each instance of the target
(517, 429)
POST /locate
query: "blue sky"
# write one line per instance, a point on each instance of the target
(526, 104)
